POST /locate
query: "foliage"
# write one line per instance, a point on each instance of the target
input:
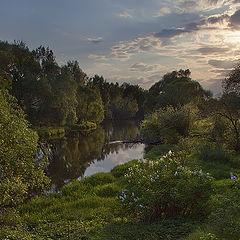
(86, 209)
(121, 170)
(168, 124)
(175, 89)
(208, 151)
(227, 109)
(165, 188)
(90, 106)
(85, 126)
(50, 132)
(21, 172)
(120, 102)
(224, 221)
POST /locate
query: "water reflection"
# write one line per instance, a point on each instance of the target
(78, 156)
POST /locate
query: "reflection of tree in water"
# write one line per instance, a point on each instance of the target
(121, 130)
(71, 156)
(118, 131)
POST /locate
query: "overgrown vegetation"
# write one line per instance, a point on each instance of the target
(186, 188)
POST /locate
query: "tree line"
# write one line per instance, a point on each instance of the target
(34, 86)
(53, 95)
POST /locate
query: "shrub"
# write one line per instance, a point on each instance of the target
(166, 189)
(212, 152)
(21, 174)
(98, 179)
(168, 124)
(224, 221)
(108, 190)
(121, 170)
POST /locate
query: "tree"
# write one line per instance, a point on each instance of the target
(175, 89)
(169, 124)
(21, 170)
(232, 82)
(228, 107)
(90, 106)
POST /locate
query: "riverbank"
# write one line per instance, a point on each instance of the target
(53, 132)
(91, 209)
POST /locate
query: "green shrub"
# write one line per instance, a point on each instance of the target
(98, 179)
(85, 125)
(121, 170)
(108, 190)
(166, 189)
(168, 124)
(76, 189)
(224, 221)
(212, 152)
(50, 132)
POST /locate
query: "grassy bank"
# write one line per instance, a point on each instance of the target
(91, 209)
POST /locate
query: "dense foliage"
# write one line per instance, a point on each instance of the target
(166, 188)
(21, 171)
(164, 196)
(175, 89)
(54, 95)
(169, 124)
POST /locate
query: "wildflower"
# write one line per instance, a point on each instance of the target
(151, 178)
(176, 173)
(234, 178)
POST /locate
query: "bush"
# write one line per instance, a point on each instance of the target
(168, 124)
(21, 172)
(98, 179)
(85, 126)
(108, 190)
(166, 189)
(224, 221)
(213, 152)
(121, 170)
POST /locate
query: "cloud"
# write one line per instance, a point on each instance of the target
(125, 14)
(218, 19)
(209, 50)
(95, 40)
(96, 57)
(234, 20)
(222, 72)
(169, 33)
(125, 49)
(192, 5)
(163, 11)
(202, 24)
(223, 64)
(141, 67)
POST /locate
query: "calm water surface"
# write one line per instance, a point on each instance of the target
(80, 156)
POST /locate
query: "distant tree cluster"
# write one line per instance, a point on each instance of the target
(54, 95)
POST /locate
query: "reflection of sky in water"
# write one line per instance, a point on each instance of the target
(124, 155)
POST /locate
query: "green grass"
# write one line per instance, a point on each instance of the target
(88, 209)
(91, 209)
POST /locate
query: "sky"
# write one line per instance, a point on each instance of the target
(134, 41)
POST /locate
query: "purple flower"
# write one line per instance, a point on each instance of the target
(234, 178)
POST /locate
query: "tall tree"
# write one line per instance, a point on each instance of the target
(175, 89)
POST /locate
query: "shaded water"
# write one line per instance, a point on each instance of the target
(79, 156)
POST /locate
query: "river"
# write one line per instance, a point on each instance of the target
(80, 156)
